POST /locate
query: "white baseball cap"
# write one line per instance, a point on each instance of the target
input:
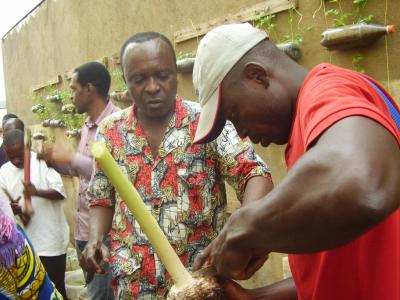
(219, 50)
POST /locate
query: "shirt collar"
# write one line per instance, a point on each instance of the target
(107, 110)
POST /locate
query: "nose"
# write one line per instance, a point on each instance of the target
(153, 86)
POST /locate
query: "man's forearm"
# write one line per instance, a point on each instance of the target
(256, 188)
(79, 165)
(100, 222)
(82, 165)
(316, 207)
(50, 194)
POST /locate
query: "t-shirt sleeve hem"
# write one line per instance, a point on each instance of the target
(324, 124)
(101, 202)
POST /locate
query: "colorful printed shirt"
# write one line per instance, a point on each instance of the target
(183, 187)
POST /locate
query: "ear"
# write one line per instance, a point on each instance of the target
(255, 72)
(91, 89)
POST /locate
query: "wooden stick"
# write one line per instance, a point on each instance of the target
(27, 169)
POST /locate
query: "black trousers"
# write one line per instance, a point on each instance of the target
(55, 268)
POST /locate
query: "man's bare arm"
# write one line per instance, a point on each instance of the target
(345, 184)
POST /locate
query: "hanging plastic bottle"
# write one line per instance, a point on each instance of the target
(291, 49)
(353, 36)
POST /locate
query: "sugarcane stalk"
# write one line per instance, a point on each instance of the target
(182, 278)
(27, 170)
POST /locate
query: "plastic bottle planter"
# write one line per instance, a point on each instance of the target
(353, 36)
(68, 109)
(291, 49)
(53, 123)
(38, 136)
(185, 65)
(46, 123)
(73, 133)
(37, 108)
(54, 98)
(57, 123)
(122, 96)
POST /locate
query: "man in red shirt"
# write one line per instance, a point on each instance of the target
(337, 210)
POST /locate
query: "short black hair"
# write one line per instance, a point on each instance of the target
(142, 37)
(13, 137)
(7, 117)
(13, 123)
(96, 74)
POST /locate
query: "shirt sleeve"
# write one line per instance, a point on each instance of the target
(329, 99)
(237, 160)
(100, 191)
(3, 184)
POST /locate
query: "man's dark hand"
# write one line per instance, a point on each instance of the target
(93, 255)
(16, 208)
(29, 189)
(233, 291)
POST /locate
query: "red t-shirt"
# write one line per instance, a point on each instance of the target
(369, 266)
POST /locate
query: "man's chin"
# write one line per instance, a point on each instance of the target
(265, 144)
(158, 112)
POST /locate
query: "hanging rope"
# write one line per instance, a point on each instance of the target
(326, 23)
(387, 50)
(317, 10)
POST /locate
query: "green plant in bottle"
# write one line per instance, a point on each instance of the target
(356, 60)
(117, 80)
(39, 107)
(265, 20)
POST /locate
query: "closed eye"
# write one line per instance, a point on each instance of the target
(164, 75)
(138, 79)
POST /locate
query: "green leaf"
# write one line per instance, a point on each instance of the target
(367, 20)
(357, 58)
(332, 12)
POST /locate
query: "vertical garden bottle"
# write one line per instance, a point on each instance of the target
(353, 36)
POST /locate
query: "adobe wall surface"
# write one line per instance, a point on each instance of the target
(62, 34)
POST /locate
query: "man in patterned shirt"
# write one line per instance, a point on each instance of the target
(182, 184)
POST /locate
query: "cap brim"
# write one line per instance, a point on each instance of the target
(211, 121)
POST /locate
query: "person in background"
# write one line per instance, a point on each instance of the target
(22, 274)
(183, 185)
(3, 155)
(13, 123)
(6, 117)
(90, 84)
(337, 210)
(47, 227)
